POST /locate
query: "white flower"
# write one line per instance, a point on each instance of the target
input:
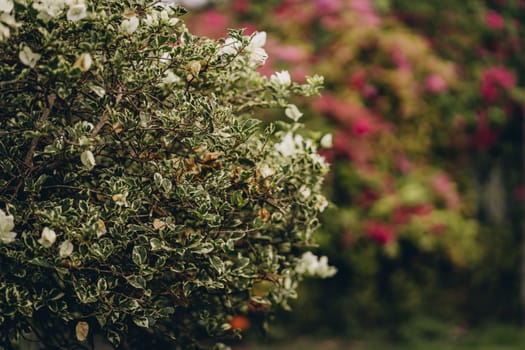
(151, 20)
(66, 248)
(83, 62)
(7, 223)
(305, 192)
(76, 12)
(5, 32)
(88, 159)
(255, 48)
(48, 237)
(170, 78)
(287, 146)
(6, 5)
(28, 57)
(266, 170)
(281, 78)
(293, 113)
(120, 199)
(312, 265)
(258, 40)
(230, 47)
(322, 203)
(327, 141)
(130, 25)
(49, 9)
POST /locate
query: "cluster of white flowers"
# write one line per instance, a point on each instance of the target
(158, 16)
(49, 9)
(7, 224)
(311, 265)
(255, 49)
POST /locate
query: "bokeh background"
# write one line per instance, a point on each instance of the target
(425, 101)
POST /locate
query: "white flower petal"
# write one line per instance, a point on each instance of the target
(48, 237)
(293, 112)
(28, 57)
(66, 248)
(88, 159)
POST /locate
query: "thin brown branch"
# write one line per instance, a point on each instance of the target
(105, 117)
(29, 156)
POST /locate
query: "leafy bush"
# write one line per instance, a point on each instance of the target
(139, 197)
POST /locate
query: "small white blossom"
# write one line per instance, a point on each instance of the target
(6, 5)
(48, 237)
(151, 20)
(266, 170)
(170, 78)
(305, 192)
(120, 199)
(322, 203)
(281, 78)
(28, 57)
(312, 265)
(255, 49)
(287, 146)
(88, 159)
(84, 62)
(66, 248)
(293, 112)
(76, 12)
(327, 141)
(230, 47)
(319, 159)
(49, 9)
(130, 25)
(5, 32)
(7, 224)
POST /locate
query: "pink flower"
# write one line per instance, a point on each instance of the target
(241, 6)
(444, 187)
(211, 24)
(403, 164)
(379, 232)
(328, 6)
(363, 126)
(435, 83)
(494, 78)
(399, 59)
(367, 15)
(357, 79)
(287, 53)
(494, 20)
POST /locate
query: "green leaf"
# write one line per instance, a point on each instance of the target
(139, 255)
(137, 281)
(141, 321)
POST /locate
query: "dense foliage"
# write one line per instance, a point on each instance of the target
(139, 197)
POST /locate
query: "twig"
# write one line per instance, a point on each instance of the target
(29, 157)
(105, 118)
